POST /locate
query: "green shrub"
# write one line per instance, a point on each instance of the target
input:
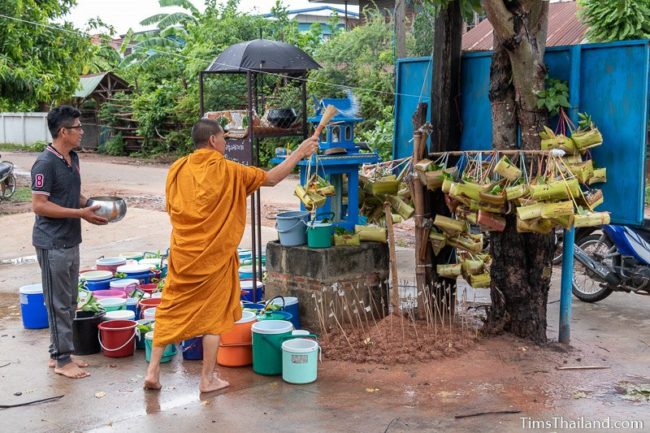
(115, 146)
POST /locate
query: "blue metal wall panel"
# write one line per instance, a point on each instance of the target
(413, 86)
(613, 89)
(475, 111)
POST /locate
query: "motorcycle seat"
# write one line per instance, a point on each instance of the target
(4, 169)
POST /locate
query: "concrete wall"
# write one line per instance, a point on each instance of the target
(24, 128)
(332, 277)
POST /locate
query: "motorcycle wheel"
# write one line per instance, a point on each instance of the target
(8, 187)
(586, 285)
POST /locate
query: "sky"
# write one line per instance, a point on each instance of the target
(123, 14)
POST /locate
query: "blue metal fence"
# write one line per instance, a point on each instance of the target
(609, 81)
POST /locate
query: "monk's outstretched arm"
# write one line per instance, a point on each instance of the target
(279, 172)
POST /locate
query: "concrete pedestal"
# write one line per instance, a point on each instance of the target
(335, 278)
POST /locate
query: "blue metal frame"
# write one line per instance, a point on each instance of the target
(333, 168)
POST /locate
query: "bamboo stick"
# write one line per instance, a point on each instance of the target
(421, 241)
(394, 296)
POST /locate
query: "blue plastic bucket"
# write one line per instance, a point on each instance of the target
(247, 291)
(246, 272)
(245, 254)
(32, 307)
(132, 305)
(99, 284)
(143, 277)
(138, 272)
(291, 227)
(168, 352)
(97, 280)
(252, 306)
(192, 349)
(291, 306)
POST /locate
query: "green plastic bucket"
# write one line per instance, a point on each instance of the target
(268, 336)
(319, 235)
(275, 315)
(300, 360)
(112, 304)
(168, 353)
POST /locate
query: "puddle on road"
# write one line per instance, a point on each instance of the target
(19, 261)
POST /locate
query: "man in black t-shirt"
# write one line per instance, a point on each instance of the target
(59, 206)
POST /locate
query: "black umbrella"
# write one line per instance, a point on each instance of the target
(262, 55)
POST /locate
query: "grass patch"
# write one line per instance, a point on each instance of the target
(36, 147)
(23, 194)
(647, 195)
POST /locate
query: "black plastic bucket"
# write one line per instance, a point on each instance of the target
(84, 332)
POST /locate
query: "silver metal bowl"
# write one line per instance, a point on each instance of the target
(112, 208)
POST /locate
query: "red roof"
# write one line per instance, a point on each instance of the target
(564, 28)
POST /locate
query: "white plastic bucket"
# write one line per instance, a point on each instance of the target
(300, 360)
(149, 313)
(119, 315)
(96, 275)
(124, 284)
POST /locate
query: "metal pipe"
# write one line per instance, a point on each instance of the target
(569, 235)
(201, 103)
(567, 282)
(249, 84)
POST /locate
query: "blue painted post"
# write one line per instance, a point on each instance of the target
(569, 235)
(567, 282)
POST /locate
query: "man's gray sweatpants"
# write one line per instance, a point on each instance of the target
(60, 277)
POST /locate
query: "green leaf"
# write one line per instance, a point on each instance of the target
(562, 100)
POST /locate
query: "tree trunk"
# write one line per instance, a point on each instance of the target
(522, 263)
(445, 120)
(400, 28)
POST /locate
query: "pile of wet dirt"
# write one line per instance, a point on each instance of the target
(396, 341)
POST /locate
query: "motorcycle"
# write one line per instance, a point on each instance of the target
(7, 180)
(616, 260)
(558, 240)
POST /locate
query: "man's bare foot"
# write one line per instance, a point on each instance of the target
(52, 363)
(72, 371)
(212, 384)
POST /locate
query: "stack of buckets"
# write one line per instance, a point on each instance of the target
(278, 349)
(235, 348)
(294, 229)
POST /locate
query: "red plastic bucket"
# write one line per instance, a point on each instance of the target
(145, 304)
(117, 338)
(149, 287)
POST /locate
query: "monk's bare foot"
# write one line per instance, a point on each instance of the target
(72, 371)
(212, 384)
(52, 363)
(152, 384)
(152, 379)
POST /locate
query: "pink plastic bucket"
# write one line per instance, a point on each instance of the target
(101, 294)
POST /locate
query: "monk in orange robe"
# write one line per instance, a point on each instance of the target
(206, 201)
